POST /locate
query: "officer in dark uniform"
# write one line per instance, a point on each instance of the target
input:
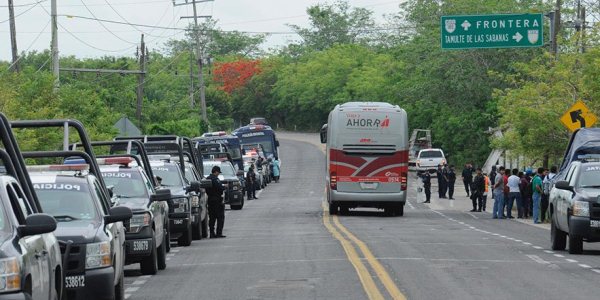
(426, 177)
(451, 181)
(216, 207)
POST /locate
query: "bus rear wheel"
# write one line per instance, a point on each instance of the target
(333, 208)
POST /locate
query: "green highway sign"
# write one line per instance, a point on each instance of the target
(492, 31)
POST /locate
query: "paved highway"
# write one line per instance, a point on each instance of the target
(284, 246)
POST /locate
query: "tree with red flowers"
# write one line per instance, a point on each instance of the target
(234, 75)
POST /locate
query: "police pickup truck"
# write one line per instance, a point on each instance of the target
(30, 258)
(147, 234)
(234, 193)
(575, 207)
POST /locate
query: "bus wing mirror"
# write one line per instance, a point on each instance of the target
(324, 134)
(276, 143)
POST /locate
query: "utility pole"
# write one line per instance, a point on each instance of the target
(54, 47)
(141, 78)
(556, 25)
(199, 58)
(13, 37)
(583, 25)
(192, 100)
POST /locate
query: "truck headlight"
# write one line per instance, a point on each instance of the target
(139, 221)
(581, 208)
(195, 201)
(10, 275)
(180, 205)
(97, 255)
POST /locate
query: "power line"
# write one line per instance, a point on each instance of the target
(26, 4)
(30, 45)
(102, 24)
(23, 12)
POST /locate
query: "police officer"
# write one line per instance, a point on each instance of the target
(216, 207)
(451, 175)
(426, 177)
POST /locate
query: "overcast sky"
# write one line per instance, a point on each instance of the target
(88, 38)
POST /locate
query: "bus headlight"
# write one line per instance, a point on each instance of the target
(139, 221)
(97, 255)
(581, 208)
(10, 275)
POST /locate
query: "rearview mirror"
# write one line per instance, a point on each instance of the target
(324, 134)
(205, 183)
(563, 185)
(118, 214)
(37, 224)
(194, 186)
(161, 195)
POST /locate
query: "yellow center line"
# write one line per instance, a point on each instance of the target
(363, 274)
(380, 271)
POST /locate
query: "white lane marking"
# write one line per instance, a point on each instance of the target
(526, 243)
(175, 250)
(132, 289)
(170, 255)
(538, 259)
(596, 270)
(538, 247)
(518, 241)
(549, 252)
(571, 260)
(168, 258)
(138, 282)
(585, 266)
(410, 205)
(559, 255)
(126, 296)
(472, 215)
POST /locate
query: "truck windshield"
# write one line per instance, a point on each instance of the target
(66, 201)
(169, 174)
(126, 184)
(226, 169)
(430, 154)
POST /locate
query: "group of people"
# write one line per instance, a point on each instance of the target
(529, 191)
(215, 203)
(250, 179)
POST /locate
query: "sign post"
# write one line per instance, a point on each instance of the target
(578, 116)
(492, 31)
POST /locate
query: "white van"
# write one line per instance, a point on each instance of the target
(367, 156)
(429, 159)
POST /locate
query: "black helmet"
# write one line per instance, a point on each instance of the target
(216, 169)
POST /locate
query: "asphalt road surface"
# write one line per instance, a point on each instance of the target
(286, 246)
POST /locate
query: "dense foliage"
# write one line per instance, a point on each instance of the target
(343, 55)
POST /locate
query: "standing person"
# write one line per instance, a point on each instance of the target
(547, 187)
(467, 177)
(538, 190)
(441, 182)
(426, 177)
(486, 190)
(477, 189)
(514, 194)
(493, 178)
(451, 181)
(525, 194)
(276, 169)
(498, 211)
(251, 183)
(216, 207)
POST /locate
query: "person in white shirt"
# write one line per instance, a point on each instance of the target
(514, 194)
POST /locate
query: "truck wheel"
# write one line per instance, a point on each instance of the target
(186, 239)
(120, 287)
(205, 227)
(168, 237)
(162, 255)
(575, 244)
(388, 210)
(558, 237)
(149, 266)
(197, 229)
(333, 208)
(399, 211)
(237, 207)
